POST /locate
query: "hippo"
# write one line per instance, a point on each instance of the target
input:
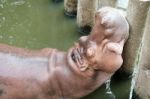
(53, 74)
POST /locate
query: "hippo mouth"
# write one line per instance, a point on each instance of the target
(78, 56)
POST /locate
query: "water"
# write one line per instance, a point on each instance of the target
(119, 88)
(36, 24)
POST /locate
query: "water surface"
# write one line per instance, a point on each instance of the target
(35, 24)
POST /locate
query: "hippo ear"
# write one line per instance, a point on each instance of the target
(97, 16)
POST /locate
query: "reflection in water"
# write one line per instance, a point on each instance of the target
(134, 77)
(109, 93)
(18, 2)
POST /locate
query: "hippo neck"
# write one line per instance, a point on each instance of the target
(87, 81)
(66, 81)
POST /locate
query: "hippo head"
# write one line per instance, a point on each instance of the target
(102, 49)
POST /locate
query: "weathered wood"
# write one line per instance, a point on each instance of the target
(70, 7)
(85, 15)
(143, 77)
(136, 15)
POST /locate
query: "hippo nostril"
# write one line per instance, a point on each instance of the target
(83, 40)
(73, 57)
(90, 52)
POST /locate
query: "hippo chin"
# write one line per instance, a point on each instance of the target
(53, 74)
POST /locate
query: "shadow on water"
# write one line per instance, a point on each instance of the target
(37, 24)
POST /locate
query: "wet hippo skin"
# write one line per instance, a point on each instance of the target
(53, 74)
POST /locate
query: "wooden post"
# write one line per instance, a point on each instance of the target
(85, 15)
(102, 3)
(143, 76)
(136, 15)
(70, 7)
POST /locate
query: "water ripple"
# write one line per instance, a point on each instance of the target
(18, 3)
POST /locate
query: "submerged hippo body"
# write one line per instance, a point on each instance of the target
(53, 74)
(44, 74)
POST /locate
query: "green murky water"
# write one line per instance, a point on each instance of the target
(37, 24)
(120, 89)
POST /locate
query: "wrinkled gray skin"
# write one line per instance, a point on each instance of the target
(53, 74)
